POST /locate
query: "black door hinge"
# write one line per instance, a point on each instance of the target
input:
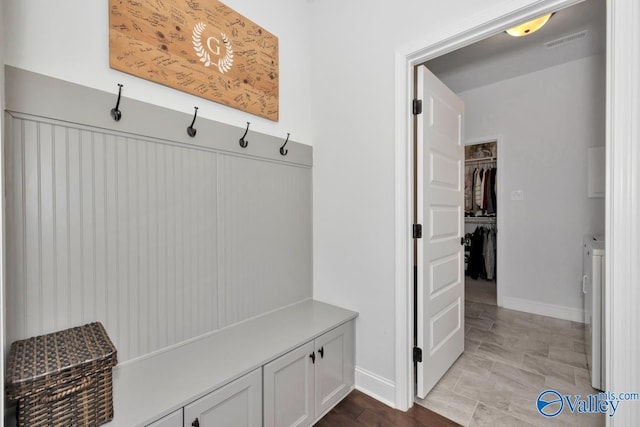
(417, 106)
(417, 231)
(417, 355)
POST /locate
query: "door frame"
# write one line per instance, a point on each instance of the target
(622, 204)
(407, 58)
(499, 217)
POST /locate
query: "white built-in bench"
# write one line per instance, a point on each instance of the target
(303, 355)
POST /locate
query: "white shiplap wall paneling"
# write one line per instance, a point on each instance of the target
(159, 241)
(114, 229)
(263, 203)
(159, 236)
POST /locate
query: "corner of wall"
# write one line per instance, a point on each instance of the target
(544, 309)
(381, 389)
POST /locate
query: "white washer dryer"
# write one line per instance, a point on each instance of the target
(593, 284)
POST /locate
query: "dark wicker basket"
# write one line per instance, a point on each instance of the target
(64, 378)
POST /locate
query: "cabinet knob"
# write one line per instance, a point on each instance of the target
(196, 423)
(321, 351)
(313, 358)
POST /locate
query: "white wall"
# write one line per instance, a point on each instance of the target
(547, 120)
(70, 41)
(353, 46)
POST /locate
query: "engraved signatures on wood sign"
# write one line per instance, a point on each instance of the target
(203, 48)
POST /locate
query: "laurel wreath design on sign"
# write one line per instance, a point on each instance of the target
(197, 43)
(204, 50)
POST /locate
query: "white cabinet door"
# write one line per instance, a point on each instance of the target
(174, 419)
(288, 389)
(334, 367)
(238, 404)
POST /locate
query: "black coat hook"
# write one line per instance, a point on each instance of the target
(284, 151)
(115, 112)
(243, 142)
(191, 131)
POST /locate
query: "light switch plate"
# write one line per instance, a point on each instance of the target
(517, 195)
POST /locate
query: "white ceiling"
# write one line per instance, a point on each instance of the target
(503, 57)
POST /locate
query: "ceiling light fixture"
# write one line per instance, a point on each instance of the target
(529, 27)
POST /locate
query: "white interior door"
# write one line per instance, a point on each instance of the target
(439, 202)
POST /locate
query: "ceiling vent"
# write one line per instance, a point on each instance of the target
(566, 40)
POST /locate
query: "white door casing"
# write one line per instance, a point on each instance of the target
(439, 202)
(623, 63)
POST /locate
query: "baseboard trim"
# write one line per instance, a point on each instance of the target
(373, 385)
(333, 406)
(544, 309)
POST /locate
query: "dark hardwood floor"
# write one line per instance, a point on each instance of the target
(358, 410)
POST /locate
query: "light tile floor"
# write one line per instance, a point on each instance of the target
(509, 358)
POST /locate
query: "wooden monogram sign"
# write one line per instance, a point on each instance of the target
(200, 47)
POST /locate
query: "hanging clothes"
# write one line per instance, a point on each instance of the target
(480, 190)
(482, 256)
(494, 196)
(476, 260)
(467, 189)
(485, 190)
(473, 190)
(491, 193)
(488, 252)
(480, 200)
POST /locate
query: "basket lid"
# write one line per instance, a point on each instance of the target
(50, 356)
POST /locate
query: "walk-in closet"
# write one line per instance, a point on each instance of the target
(480, 218)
